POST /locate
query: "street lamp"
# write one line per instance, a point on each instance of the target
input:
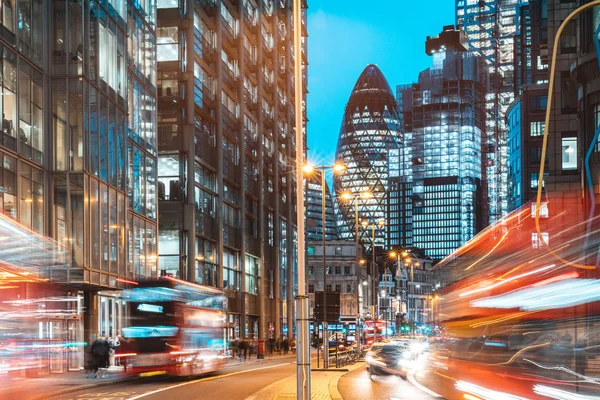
(347, 196)
(366, 224)
(310, 169)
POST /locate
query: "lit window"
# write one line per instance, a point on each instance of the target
(536, 128)
(543, 210)
(536, 243)
(569, 153)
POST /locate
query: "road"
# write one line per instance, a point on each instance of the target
(242, 381)
(358, 385)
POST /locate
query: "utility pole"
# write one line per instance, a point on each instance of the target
(302, 303)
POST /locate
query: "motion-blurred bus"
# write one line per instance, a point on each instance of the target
(520, 310)
(175, 328)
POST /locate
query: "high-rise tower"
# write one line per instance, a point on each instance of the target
(370, 128)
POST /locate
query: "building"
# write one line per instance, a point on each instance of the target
(370, 128)
(571, 152)
(490, 26)
(314, 209)
(345, 275)
(226, 152)
(442, 184)
(79, 153)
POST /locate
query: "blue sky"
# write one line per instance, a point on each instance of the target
(345, 36)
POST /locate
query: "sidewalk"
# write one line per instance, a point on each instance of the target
(58, 384)
(323, 386)
(55, 384)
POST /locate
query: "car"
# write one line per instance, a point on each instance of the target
(388, 358)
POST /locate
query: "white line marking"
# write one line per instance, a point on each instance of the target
(412, 380)
(203, 380)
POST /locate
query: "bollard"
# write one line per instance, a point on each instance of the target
(260, 352)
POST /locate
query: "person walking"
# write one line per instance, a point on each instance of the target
(286, 345)
(246, 345)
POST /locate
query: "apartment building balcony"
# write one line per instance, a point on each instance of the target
(209, 6)
(230, 77)
(250, 60)
(231, 124)
(267, 118)
(230, 37)
(230, 169)
(251, 21)
(250, 100)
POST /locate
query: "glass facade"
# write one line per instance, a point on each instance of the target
(370, 128)
(437, 199)
(314, 210)
(225, 146)
(491, 26)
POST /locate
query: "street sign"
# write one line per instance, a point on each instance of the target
(333, 306)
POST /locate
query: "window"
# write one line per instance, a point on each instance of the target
(568, 93)
(538, 103)
(534, 180)
(569, 153)
(338, 288)
(543, 210)
(568, 39)
(311, 288)
(338, 251)
(167, 48)
(311, 270)
(348, 288)
(311, 251)
(231, 272)
(596, 113)
(536, 243)
(347, 270)
(338, 270)
(535, 155)
(329, 288)
(252, 275)
(536, 128)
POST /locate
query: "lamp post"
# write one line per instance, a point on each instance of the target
(309, 169)
(349, 196)
(366, 225)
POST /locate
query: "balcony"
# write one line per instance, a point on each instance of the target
(268, 84)
(251, 21)
(205, 149)
(267, 118)
(209, 6)
(203, 47)
(230, 169)
(229, 36)
(250, 100)
(230, 77)
(231, 124)
(250, 59)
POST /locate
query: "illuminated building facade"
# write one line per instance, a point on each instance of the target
(314, 210)
(370, 129)
(227, 156)
(439, 177)
(490, 27)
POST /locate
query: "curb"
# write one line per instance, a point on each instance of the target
(329, 369)
(60, 392)
(334, 393)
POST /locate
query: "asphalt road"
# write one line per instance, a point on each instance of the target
(234, 382)
(358, 385)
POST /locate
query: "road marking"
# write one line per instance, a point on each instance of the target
(411, 379)
(203, 380)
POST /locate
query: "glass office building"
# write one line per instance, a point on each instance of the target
(490, 26)
(370, 128)
(78, 144)
(314, 210)
(438, 179)
(226, 176)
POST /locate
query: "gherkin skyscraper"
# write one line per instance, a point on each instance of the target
(370, 128)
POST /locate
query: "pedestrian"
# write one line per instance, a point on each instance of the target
(286, 345)
(99, 356)
(271, 346)
(253, 347)
(246, 345)
(240, 348)
(293, 345)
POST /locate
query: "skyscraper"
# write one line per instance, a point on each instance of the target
(314, 209)
(370, 128)
(442, 158)
(227, 155)
(490, 26)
